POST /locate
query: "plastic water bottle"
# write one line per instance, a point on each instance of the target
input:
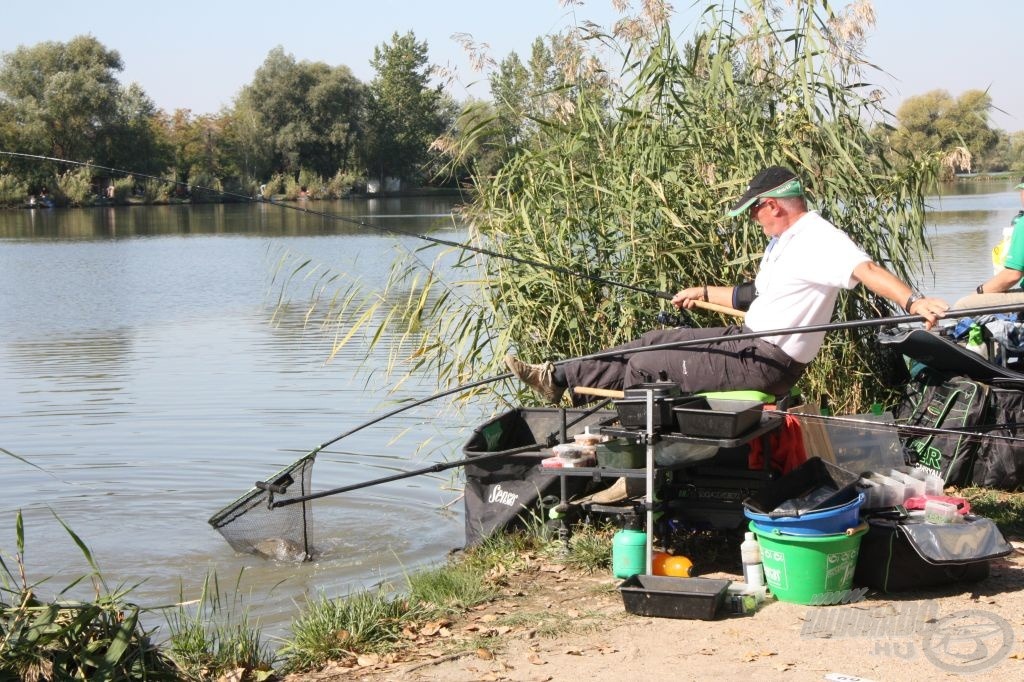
(750, 555)
(976, 342)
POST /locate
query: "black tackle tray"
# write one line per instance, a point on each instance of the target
(661, 389)
(669, 597)
(633, 411)
(813, 474)
(717, 418)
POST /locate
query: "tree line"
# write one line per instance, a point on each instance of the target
(309, 127)
(298, 127)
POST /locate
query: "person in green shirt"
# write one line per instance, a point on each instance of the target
(1005, 285)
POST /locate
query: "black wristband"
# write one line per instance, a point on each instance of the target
(980, 289)
(705, 293)
(914, 297)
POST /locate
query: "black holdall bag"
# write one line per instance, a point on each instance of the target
(1000, 458)
(909, 554)
(938, 401)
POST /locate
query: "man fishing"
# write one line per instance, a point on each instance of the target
(805, 264)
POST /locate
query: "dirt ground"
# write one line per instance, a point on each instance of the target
(551, 623)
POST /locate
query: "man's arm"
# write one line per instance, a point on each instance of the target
(1004, 280)
(887, 285)
(687, 298)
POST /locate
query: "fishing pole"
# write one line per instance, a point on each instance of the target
(248, 502)
(884, 321)
(548, 441)
(665, 295)
(849, 324)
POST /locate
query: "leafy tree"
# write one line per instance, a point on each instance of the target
(64, 100)
(1008, 154)
(310, 114)
(510, 90)
(406, 114)
(938, 122)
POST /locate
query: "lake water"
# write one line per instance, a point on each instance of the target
(144, 375)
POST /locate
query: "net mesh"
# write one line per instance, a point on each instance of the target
(250, 524)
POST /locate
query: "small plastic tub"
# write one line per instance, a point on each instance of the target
(936, 511)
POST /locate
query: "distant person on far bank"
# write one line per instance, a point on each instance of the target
(1005, 285)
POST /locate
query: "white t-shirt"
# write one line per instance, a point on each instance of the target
(799, 279)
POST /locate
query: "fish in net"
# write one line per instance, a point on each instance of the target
(262, 521)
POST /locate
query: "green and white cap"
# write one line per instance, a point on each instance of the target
(773, 182)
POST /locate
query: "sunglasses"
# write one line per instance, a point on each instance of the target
(756, 205)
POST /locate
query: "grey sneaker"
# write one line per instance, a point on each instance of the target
(541, 378)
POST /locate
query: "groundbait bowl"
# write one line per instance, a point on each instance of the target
(818, 522)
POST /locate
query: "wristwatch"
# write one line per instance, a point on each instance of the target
(980, 289)
(912, 299)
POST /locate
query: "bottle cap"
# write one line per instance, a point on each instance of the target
(749, 535)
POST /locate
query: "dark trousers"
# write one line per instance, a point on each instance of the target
(745, 364)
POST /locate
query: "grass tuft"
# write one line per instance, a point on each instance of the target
(340, 629)
(451, 588)
(212, 637)
(1006, 509)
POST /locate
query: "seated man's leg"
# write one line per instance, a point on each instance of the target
(610, 372)
(749, 364)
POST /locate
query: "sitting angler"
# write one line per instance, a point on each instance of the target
(806, 262)
(1005, 285)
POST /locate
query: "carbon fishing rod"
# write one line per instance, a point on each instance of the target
(548, 441)
(880, 322)
(665, 295)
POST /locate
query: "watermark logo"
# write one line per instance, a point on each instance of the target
(963, 642)
(839, 597)
(968, 641)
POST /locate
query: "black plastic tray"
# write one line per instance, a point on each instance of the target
(811, 475)
(718, 418)
(633, 412)
(662, 389)
(668, 597)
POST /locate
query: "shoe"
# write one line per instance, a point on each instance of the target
(616, 492)
(541, 378)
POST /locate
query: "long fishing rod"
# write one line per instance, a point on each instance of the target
(849, 324)
(879, 322)
(548, 441)
(665, 295)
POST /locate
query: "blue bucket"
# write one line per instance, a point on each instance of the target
(818, 522)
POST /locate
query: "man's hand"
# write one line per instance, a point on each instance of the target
(931, 309)
(687, 298)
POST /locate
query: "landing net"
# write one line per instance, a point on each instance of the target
(249, 524)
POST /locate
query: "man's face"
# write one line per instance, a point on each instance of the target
(763, 213)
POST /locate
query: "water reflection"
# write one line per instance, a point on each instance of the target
(252, 218)
(145, 372)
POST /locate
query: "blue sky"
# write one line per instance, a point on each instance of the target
(197, 55)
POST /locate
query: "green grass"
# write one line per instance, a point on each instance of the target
(590, 548)
(213, 636)
(64, 638)
(451, 588)
(1005, 508)
(338, 629)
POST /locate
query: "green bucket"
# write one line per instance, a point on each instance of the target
(809, 569)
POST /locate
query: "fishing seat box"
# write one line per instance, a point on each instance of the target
(899, 555)
(504, 491)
